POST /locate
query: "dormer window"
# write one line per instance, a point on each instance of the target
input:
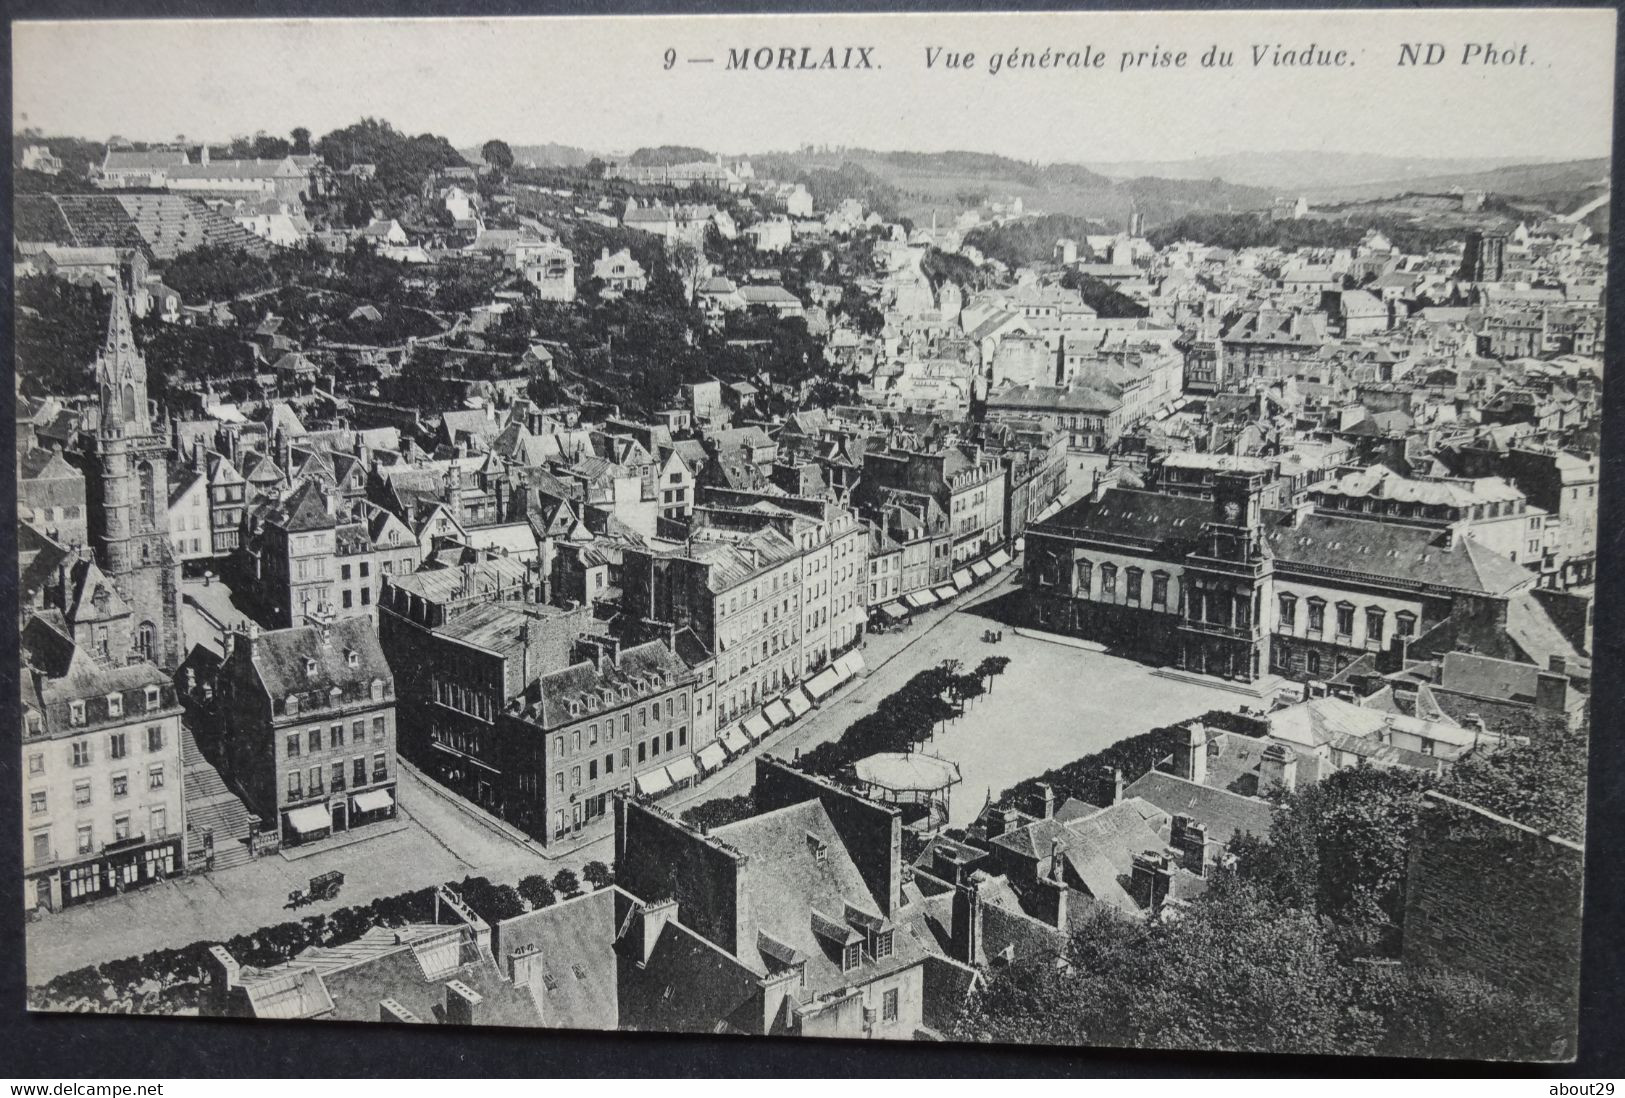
(335, 696)
(575, 708)
(377, 690)
(291, 706)
(152, 698)
(851, 956)
(882, 944)
(76, 713)
(115, 705)
(310, 668)
(352, 658)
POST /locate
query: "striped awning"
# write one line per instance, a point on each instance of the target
(654, 782)
(821, 685)
(373, 800)
(309, 819)
(712, 756)
(798, 701)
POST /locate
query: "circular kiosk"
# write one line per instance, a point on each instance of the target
(915, 782)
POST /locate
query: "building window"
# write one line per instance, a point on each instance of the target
(336, 735)
(358, 770)
(118, 745)
(316, 775)
(155, 737)
(338, 777)
(379, 772)
(1289, 613)
(76, 717)
(378, 730)
(851, 956)
(81, 753)
(1404, 624)
(1159, 589)
(315, 736)
(85, 840)
(1345, 619)
(1314, 663)
(294, 742)
(1374, 624)
(296, 785)
(38, 802)
(81, 794)
(1317, 615)
(152, 698)
(160, 822)
(121, 784)
(888, 1006)
(609, 763)
(36, 763)
(121, 827)
(1108, 580)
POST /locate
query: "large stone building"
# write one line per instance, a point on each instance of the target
(1227, 587)
(309, 741)
(102, 770)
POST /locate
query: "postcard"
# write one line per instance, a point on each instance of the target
(1049, 528)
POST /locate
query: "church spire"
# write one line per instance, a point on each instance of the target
(121, 374)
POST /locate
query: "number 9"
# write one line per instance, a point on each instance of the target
(671, 59)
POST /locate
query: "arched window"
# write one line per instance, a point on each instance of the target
(149, 494)
(127, 404)
(146, 641)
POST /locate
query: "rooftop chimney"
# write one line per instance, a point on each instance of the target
(1190, 757)
(462, 1004)
(525, 965)
(1278, 766)
(1108, 786)
(1150, 879)
(391, 1011)
(965, 930)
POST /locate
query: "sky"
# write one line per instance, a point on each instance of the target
(603, 82)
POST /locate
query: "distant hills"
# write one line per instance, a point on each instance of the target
(1310, 169)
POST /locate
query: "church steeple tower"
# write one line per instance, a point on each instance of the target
(127, 489)
(121, 377)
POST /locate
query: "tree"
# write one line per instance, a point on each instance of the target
(991, 667)
(301, 141)
(1339, 848)
(496, 153)
(597, 874)
(1541, 784)
(1236, 971)
(687, 263)
(536, 892)
(566, 884)
(720, 811)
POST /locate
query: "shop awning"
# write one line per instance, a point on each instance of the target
(999, 559)
(683, 770)
(945, 592)
(654, 783)
(309, 819)
(712, 756)
(894, 610)
(736, 742)
(920, 599)
(798, 701)
(778, 714)
(849, 665)
(373, 800)
(756, 726)
(823, 684)
(981, 569)
(962, 578)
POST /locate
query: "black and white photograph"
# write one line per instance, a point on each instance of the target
(1061, 529)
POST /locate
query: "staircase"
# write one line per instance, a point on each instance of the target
(212, 808)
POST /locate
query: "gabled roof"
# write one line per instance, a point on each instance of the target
(1226, 815)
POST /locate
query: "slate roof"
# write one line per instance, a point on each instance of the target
(280, 657)
(579, 987)
(1392, 552)
(1226, 815)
